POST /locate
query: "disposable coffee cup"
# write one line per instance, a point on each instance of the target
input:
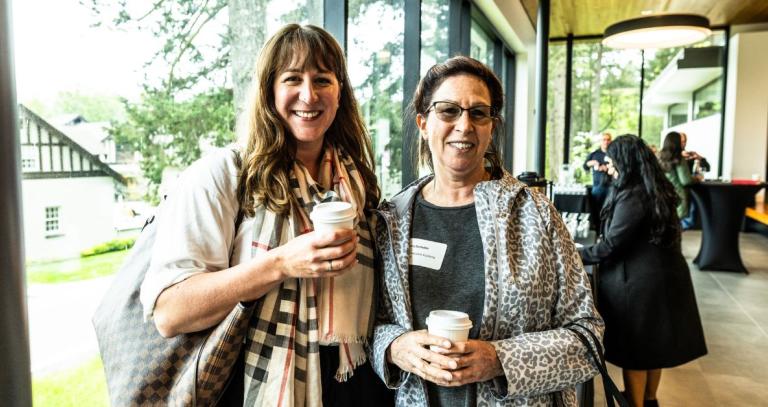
(451, 325)
(330, 216)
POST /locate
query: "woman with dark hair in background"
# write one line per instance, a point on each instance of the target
(644, 293)
(303, 142)
(678, 172)
(469, 237)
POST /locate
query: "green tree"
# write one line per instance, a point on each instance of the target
(169, 132)
(187, 98)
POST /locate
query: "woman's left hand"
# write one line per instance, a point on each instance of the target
(477, 362)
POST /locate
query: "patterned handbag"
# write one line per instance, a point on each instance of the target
(144, 368)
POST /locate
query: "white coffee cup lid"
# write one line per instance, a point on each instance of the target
(332, 212)
(449, 319)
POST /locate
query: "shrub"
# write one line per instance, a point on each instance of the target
(110, 246)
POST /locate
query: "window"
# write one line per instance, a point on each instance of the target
(52, 221)
(706, 101)
(678, 114)
(434, 33)
(604, 97)
(481, 45)
(28, 164)
(375, 60)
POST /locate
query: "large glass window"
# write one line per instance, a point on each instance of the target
(678, 114)
(481, 45)
(604, 97)
(434, 33)
(555, 111)
(706, 101)
(280, 13)
(683, 92)
(376, 70)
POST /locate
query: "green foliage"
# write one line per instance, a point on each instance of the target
(168, 132)
(581, 145)
(81, 268)
(189, 105)
(82, 386)
(110, 246)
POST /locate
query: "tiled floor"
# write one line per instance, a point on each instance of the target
(734, 312)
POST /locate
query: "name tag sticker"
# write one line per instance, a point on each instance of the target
(426, 253)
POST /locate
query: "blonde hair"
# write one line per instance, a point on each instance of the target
(269, 148)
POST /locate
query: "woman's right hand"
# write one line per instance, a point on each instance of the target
(410, 353)
(316, 254)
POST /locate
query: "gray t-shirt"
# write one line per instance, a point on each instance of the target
(458, 284)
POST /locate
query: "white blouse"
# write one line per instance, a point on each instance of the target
(195, 230)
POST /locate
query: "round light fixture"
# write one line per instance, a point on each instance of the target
(659, 31)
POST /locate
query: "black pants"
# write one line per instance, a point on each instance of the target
(363, 388)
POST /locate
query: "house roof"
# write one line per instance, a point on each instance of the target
(55, 132)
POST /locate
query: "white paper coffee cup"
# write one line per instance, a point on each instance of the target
(330, 216)
(451, 325)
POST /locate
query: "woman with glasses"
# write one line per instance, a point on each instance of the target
(468, 237)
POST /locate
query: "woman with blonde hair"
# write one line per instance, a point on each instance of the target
(305, 143)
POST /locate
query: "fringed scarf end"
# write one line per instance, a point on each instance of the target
(346, 371)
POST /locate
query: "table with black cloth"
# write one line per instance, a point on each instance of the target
(722, 206)
(571, 202)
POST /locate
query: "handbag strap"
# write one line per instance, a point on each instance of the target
(609, 387)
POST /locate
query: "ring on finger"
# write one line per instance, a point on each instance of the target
(330, 265)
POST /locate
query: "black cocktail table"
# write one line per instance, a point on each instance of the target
(722, 208)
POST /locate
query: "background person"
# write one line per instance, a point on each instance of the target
(595, 163)
(645, 291)
(678, 173)
(697, 165)
(489, 247)
(306, 143)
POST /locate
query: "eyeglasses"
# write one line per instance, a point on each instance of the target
(449, 112)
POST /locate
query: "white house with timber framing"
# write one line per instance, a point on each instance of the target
(69, 195)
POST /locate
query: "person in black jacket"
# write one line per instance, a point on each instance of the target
(595, 163)
(644, 292)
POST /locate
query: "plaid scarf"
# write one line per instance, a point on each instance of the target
(282, 363)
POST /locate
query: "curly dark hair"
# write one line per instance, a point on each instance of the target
(637, 165)
(671, 153)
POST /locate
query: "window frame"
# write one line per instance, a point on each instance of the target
(52, 216)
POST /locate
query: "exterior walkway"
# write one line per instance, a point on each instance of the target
(61, 334)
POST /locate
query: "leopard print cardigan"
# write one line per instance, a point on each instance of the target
(534, 285)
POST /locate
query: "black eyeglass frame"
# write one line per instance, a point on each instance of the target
(492, 116)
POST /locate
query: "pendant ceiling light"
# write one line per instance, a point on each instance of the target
(659, 31)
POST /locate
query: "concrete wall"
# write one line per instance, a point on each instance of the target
(86, 215)
(746, 106)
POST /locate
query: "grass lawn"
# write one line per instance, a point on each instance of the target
(82, 268)
(82, 386)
